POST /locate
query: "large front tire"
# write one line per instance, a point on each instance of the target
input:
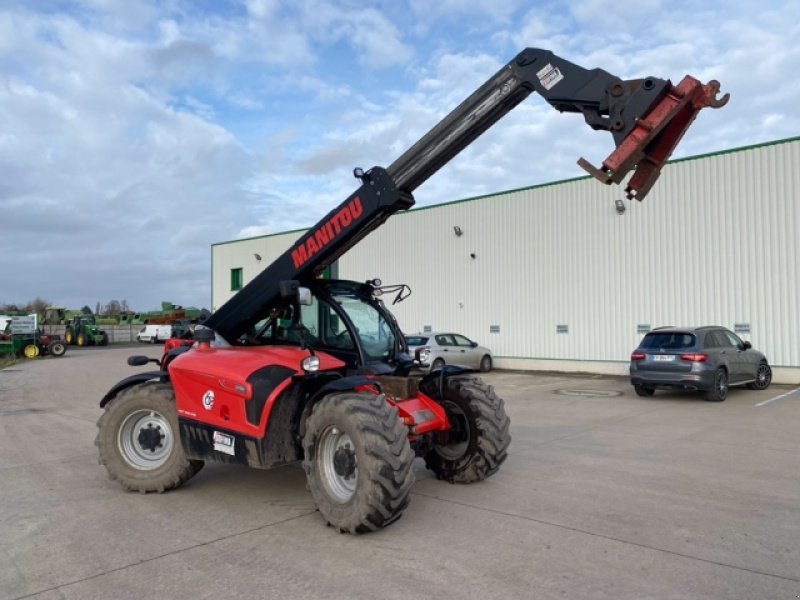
(478, 442)
(357, 461)
(139, 440)
(81, 339)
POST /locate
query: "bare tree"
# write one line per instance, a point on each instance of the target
(36, 306)
(113, 308)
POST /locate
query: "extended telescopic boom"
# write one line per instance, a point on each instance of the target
(647, 118)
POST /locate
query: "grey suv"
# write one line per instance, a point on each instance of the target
(709, 359)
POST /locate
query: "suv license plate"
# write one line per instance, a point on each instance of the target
(662, 357)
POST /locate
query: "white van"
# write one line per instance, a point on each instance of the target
(154, 333)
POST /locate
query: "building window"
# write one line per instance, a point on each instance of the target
(236, 279)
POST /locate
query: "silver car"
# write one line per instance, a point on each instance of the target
(434, 350)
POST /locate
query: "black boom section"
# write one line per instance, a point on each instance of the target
(606, 102)
(372, 203)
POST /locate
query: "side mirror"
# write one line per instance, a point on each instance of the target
(747, 345)
(140, 361)
(290, 289)
(304, 296)
(474, 344)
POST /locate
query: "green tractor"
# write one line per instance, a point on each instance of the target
(82, 330)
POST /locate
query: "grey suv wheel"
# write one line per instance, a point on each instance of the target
(720, 390)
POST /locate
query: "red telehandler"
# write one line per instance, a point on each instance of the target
(295, 367)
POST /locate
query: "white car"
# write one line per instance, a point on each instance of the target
(432, 351)
(154, 333)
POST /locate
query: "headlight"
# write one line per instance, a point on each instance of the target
(310, 364)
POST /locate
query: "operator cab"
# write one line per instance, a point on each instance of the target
(345, 319)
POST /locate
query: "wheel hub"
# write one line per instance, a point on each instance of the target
(344, 461)
(338, 464)
(150, 437)
(453, 443)
(146, 439)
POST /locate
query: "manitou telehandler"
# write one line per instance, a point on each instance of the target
(295, 367)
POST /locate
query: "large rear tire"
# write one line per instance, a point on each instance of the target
(81, 339)
(69, 336)
(358, 461)
(478, 442)
(139, 440)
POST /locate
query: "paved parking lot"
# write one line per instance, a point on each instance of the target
(604, 495)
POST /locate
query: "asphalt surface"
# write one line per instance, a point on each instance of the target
(604, 495)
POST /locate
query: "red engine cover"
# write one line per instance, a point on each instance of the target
(211, 383)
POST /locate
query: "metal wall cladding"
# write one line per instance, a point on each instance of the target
(715, 242)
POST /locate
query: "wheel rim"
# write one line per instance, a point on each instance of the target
(459, 434)
(31, 351)
(338, 464)
(763, 376)
(437, 364)
(722, 384)
(146, 439)
(486, 363)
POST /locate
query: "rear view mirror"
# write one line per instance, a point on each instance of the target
(304, 296)
(139, 360)
(292, 291)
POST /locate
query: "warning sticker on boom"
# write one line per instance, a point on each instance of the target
(549, 76)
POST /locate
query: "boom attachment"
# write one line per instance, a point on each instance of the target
(648, 146)
(635, 111)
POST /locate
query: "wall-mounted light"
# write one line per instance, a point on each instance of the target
(257, 255)
(459, 232)
(620, 206)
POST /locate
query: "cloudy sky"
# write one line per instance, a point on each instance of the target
(136, 133)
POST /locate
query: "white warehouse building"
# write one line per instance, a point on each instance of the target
(554, 277)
